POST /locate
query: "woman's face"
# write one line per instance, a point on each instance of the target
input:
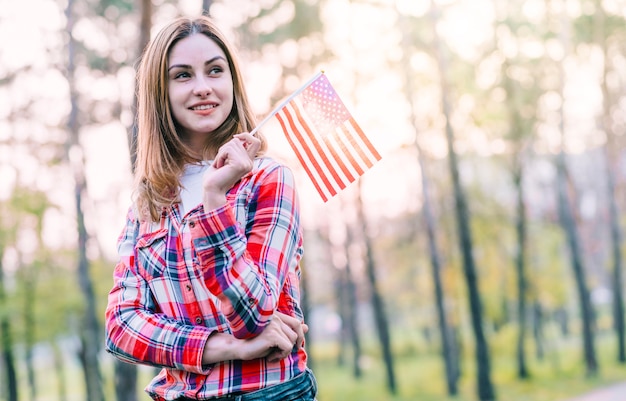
(200, 88)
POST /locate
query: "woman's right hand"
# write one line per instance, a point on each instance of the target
(232, 161)
(277, 340)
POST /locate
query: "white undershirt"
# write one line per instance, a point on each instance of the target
(191, 186)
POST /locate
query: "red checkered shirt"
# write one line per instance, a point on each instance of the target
(225, 270)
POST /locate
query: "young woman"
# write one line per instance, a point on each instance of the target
(207, 284)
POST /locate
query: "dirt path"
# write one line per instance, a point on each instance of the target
(616, 392)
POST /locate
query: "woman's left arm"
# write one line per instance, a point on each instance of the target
(248, 272)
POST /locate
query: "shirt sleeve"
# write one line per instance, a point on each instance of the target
(246, 267)
(135, 332)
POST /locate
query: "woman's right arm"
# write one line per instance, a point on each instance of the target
(275, 342)
(135, 332)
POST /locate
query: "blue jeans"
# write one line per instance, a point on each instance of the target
(301, 388)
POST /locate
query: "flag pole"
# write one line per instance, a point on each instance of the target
(284, 102)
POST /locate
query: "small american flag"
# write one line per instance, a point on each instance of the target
(328, 142)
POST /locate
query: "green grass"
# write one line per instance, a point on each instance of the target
(419, 373)
(559, 376)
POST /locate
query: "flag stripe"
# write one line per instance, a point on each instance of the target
(327, 141)
(294, 129)
(348, 148)
(280, 119)
(304, 137)
(316, 145)
(352, 140)
(364, 139)
(306, 158)
(339, 157)
(302, 140)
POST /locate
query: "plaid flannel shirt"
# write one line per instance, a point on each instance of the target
(225, 270)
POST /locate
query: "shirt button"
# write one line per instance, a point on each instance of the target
(192, 224)
(188, 287)
(198, 320)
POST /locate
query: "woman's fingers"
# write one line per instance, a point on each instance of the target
(231, 163)
(283, 338)
(272, 341)
(278, 339)
(296, 327)
(250, 143)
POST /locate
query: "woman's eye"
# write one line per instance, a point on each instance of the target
(215, 70)
(181, 75)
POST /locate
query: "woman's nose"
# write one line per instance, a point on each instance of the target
(202, 87)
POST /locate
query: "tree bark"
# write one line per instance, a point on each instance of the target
(206, 7)
(614, 212)
(483, 364)
(380, 316)
(8, 359)
(520, 268)
(59, 369)
(145, 25)
(452, 374)
(90, 335)
(125, 381)
(340, 296)
(445, 333)
(538, 330)
(29, 325)
(125, 374)
(566, 215)
(568, 224)
(352, 307)
(306, 309)
(618, 281)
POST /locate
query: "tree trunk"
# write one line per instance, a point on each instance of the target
(125, 374)
(380, 316)
(306, 308)
(447, 346)
(538, 330)
(145, 25)
(8, 359)
(125, 381)
(342, 304)
(571, 232)
(29, 326)
(567, 219)
(520, 268)
(90, 336)
(59, 369)
(614, 212)
(618, 281)
(483, 364)
(206, 6)
(444, 329)
(352, 307)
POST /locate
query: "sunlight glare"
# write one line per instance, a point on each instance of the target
(282, 15)
(412, 7)
(32, 25)
(86, 31)
(465, 35)
(8, 174)
(534, 10)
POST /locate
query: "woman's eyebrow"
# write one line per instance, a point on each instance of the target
(186, 66)
(214, 59)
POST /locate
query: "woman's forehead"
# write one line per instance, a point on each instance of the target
(197, 45)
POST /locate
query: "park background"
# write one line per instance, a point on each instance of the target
(480, 259)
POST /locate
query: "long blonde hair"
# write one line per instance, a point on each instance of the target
(161, 154)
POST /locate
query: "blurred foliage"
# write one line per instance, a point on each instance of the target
(488, 93)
